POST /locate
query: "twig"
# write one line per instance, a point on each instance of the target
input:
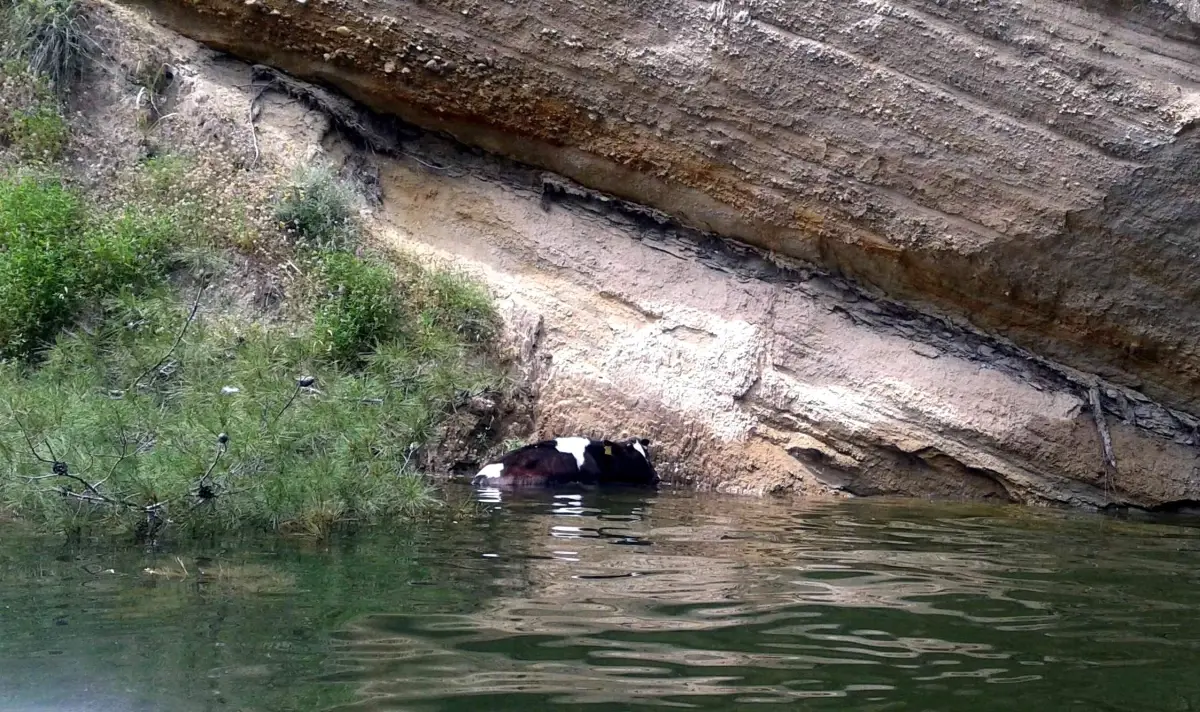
(301, 384)
(427, 164)
(178, 339)
(1110, 459)
(124, 452)
(163, 118)
(90, 490)
(250, 115)
(59, 468)
(222, 445)
(79, 495)
(295, 392)
(29, 442)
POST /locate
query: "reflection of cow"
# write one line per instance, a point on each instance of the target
(565, 461)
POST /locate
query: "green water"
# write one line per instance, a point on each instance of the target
(622, 602)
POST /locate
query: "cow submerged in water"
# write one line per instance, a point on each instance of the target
(567, 461)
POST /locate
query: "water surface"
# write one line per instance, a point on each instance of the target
(614, 602)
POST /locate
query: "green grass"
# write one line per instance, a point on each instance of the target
(140, 412)
(38, 132)
(43, 49)
(31, 120)
(207, 217)
(447, 301)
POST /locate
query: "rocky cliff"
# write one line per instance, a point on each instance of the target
(1025, 170)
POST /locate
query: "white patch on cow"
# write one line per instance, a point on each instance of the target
(638, 446)
(491, 471)
(572, 446)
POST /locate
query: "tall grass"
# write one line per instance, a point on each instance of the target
(47, 36)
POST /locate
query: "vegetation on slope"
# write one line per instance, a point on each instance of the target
(128, 403)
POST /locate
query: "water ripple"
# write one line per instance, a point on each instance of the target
(692, 601)
(871, 606)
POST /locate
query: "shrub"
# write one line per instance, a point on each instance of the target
(359, 307)
(317, 211)
(55, 259)
(295, 457)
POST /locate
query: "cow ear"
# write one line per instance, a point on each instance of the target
(644, 441)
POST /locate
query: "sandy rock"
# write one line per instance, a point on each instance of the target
(758, 376)
(1030, 167)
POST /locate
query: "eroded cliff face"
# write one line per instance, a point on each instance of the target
(875, 150)
(756, 374)
(1031, 167)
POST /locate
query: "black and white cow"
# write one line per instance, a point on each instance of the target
(573, 460)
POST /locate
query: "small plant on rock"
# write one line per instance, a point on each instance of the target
(317, 211)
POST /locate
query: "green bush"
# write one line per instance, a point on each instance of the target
(55, 259)
(359, 307)
(296, 457)
(317, 211)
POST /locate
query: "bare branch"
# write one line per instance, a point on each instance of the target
(29, 441)
(178, 339)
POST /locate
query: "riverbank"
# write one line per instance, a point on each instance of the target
(194, 344)
(751, 372)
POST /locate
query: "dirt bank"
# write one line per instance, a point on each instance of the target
(754, 372)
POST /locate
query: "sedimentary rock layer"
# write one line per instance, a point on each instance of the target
(756, 375)
(1031, 167)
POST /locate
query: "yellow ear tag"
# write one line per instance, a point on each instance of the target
(608, 450)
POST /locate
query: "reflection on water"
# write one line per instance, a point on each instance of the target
(615, 600)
